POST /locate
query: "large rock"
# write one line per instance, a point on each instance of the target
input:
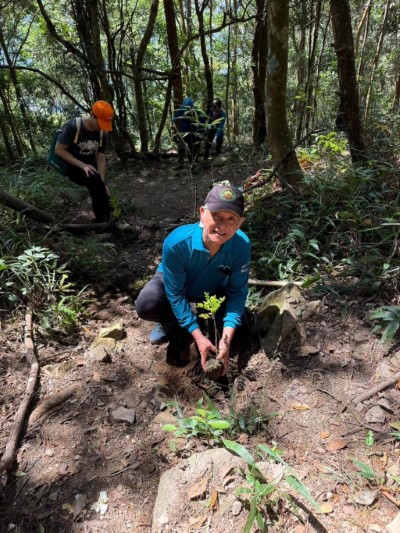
(184, 489)
(277, 320)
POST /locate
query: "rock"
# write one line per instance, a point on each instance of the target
(394, 526)
(237, 508)
(176, 483)
(121, 414)
(375, 414)
(365, 497)
(307, 350)
(277, 321)
(361, 338)
(116, 331)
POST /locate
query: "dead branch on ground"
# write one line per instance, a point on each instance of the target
(52, 401)
(381, 386)
(11, 446)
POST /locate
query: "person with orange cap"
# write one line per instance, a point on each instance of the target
(82, 144)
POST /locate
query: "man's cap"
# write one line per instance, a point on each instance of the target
(187, 102)
(104, 113)
(225, 198)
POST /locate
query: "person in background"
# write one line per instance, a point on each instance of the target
(211, 256)
(188, 124)
(86, 156)
(217, 117)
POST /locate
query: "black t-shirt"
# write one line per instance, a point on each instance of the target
(88, 144)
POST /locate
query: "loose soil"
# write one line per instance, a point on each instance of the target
(76, 451)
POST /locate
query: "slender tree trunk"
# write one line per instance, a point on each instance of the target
(140, 102)
(300, 50)
(318, 73)
(279, 139)
(18, 93)
(204, 54)
(348, 89)
(363, 25)
(259, 68)
(172, 35)
(233, 131)
(376, 61)
(6, 141)
(9, 120)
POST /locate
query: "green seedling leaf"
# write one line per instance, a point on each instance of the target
(301, 489)
(369, 439)
(239, 450)
(219, 424)
(18, 473)
(272, 453)
(169, 427)
(251, 518)
(365, 470)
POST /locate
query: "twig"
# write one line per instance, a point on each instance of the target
(381, 386)
(11, 446)
(390, 498)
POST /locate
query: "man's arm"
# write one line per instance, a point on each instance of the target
(62, 151)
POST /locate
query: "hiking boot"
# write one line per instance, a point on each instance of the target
(121, 225)
(160, 333)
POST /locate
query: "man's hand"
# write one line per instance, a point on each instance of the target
(204, 345)
(223, 353)
(89, 169)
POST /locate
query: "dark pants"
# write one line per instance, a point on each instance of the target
(153, 305)
(97, 189)
(218, 145)
(188, 144)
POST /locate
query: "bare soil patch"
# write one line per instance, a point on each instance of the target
(79, 450)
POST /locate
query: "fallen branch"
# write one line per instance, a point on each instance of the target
(52, 401)
(381, 386)
(11, 446)
(261, 283)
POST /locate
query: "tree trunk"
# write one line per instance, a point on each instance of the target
(9, 120)
(376, 61)
(172, 35)
(233, 131)
(18, 93)
(138, 83)
(348, 88)
(259, 68)
(204, 54)
(279, 138)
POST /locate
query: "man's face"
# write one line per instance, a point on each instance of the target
(219, 226)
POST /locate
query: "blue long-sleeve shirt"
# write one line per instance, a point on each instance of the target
(190, 271)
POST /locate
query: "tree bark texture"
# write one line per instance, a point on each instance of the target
(259, 67)
(279, 139)
(348, 87)
(175, 54)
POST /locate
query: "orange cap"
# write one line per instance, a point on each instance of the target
(104, 113)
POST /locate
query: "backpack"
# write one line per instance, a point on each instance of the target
(59, 164)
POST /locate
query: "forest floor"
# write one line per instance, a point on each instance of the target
(80, 449)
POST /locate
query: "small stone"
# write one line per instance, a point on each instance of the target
(237, 508)
(375, 414)
(394, 526)
(360, 338)
(365, 497)
(121, 414)
(49, 452)
(116, 331)
(308, 350)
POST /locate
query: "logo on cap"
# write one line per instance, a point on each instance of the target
(228, 195)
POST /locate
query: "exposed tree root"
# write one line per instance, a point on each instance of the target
(381, 386)
(11, 446)
(52, 401)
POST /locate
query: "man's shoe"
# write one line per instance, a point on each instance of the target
(160, 333)
(121, 225)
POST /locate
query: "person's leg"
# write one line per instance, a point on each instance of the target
(97, 190)
(209, 140)
(218, 146)
(152, 303)
(181, 151)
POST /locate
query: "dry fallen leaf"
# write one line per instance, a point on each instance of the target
(324, 435)
(336, 444)
(214, 499)
(198, 522)
(199, 489)
(300, 406)
(326, 508)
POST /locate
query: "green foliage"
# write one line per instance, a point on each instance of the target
(369, 439)
(262, 494)
(208, 422)
(35, 277)
(388, 320)
(116, 208)
(344, 226)
(366, 472)
(211, 304)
